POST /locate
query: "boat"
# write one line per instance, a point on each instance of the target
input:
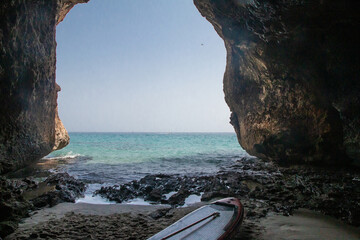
(216, 221)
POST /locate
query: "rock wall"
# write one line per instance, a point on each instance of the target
(291, 79)
(292, 76)
(27, 79)
(62, 138)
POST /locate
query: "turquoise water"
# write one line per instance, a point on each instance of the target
(113, 158)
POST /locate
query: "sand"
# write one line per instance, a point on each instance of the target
(59, 211)
(97, 221)
(123, 221)
(306, 225)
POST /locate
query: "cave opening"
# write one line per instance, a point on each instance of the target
(153, 66)
(141, 92)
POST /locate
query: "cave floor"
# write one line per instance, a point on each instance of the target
(120, 221)
(275, 201)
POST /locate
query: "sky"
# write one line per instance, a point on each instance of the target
(140, 66)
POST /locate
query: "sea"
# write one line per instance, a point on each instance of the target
(104, 159)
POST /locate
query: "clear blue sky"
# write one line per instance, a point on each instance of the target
(140, 65)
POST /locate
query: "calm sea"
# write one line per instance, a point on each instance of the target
(115, 158)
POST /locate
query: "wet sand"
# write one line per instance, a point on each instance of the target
(121, 221)
(306, 225)
(62, 209)
(97, 221)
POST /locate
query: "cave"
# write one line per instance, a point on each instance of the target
(291, 80)
(291, 83)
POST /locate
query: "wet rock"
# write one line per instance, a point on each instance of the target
(261, 186)
(19, 197)
(117, 193)
(178, 199)
(13, 206)
(154, 187)
(65, 189)
(155, 195)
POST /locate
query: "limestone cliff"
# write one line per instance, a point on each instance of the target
(27, 78)
(292, 76)
(62, 138)
(64, 6)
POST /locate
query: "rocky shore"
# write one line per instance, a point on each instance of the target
(264, 188)
(19, 197)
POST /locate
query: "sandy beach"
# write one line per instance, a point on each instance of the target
(123, 221)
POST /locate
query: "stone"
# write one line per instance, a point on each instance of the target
(67, 189)
(178, 199)
(292, 77)
(155, 195)
(6, 228)
(262, 187)
(19, 197)
(28, 96)
(62, 138)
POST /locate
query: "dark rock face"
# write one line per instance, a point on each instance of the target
(292, 76)
(27, 79)
(27, 86)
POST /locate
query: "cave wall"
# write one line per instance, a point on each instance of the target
(292, 76)
(28, 92)
(291, 80)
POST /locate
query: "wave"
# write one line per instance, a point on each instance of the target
(66, 156)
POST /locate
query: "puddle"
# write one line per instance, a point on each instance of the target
(192, 199)
(138, 201)
(167, 196)
(94, 200)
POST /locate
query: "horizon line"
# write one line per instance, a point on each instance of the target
(141, 132)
